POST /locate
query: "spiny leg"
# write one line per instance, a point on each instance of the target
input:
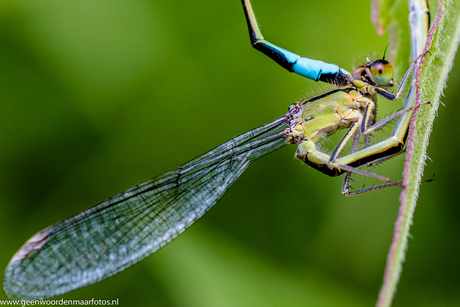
(308, 153)
(346, 192)
(379, 125)
(353, 132)
(347, 179)
(381, 160)
(347, 175)
(358, 171)
(370, 123)
(348, 136)
(354, 148)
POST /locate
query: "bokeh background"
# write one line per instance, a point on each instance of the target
(97, 96)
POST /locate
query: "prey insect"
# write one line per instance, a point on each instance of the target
(124, 229)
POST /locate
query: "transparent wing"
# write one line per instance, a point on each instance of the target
(124, 229)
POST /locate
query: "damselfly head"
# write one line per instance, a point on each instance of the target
(378, 73)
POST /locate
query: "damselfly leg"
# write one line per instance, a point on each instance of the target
(352, 107)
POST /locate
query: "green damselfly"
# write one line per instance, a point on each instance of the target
(126, 228)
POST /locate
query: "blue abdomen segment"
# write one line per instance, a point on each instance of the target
(311, 69)
(315, 70)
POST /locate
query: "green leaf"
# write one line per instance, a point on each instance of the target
(432, 81)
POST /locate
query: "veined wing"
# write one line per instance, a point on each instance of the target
(124, 229)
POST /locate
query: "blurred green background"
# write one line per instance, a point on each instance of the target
(97, 96)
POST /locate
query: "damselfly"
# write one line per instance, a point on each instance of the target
(124, 229)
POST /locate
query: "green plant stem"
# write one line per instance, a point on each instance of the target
(442, 42)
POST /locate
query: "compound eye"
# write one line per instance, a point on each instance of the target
(382, 72)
